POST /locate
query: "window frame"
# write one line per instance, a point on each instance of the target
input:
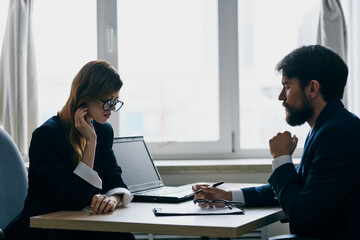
(228, 145)
(107, 20)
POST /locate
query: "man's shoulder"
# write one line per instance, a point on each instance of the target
(344, 120)
(340, 131)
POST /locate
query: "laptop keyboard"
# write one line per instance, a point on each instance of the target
(164, 191)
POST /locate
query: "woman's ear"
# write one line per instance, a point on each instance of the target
(82, 105)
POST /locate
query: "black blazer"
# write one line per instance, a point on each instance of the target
(321, 197)
(52, 184)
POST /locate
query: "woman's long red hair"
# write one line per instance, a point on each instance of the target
(95, 80)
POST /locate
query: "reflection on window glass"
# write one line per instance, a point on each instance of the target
(65, 40)
(168, 59)
(268, 30)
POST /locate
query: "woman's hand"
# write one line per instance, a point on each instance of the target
(211, 193)
(83, 124)
(102, 204)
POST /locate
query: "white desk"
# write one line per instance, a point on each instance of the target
(138, 217)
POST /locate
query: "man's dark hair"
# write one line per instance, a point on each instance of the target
(316, 62)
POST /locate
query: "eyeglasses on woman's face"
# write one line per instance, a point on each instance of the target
(220, 203)
(108, 104)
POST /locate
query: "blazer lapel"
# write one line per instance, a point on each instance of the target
(306, 158)
(300, 168)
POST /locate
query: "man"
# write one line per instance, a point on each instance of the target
(321, 196)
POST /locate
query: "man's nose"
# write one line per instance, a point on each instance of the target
(282, 95)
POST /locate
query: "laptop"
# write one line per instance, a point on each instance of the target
(141, 175)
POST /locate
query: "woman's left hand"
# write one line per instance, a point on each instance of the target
(83, 124)
(102, 204)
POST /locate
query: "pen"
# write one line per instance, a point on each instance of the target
(214, 185)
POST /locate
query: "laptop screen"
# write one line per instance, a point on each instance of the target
(138, 169)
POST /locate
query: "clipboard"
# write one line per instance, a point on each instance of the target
(176, 211)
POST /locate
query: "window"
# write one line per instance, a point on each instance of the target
(158, 78)
(351, 11)
(265, 37)
(63, 45)
(170, 67)
(199, 78)
(169, 64)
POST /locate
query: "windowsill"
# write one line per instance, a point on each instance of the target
(219, 165)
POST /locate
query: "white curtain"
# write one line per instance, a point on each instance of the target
(332, 28)
(18, 80)
(332, 32)
(353, 85)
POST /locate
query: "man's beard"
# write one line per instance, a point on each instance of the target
(298, 116)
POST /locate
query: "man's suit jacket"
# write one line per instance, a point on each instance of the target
(53, 186)
(321, 197)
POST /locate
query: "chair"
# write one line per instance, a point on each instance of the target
(13, 180)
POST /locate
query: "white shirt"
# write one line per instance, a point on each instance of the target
(92, 177)
(238, 195)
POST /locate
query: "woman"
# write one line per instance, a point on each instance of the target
(72, 164)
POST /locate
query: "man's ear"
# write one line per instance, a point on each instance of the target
(314, 88)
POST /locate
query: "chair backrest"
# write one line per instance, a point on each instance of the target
(13, 179)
